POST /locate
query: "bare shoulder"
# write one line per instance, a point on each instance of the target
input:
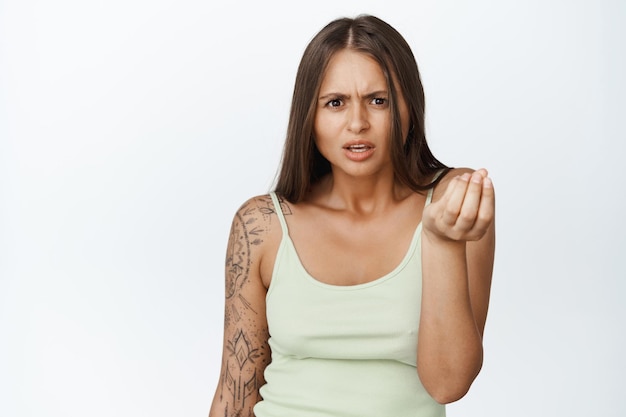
(256, 230)
(259, 215)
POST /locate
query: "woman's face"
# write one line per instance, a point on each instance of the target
(353, 118)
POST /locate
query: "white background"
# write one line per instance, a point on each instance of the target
(131, 131)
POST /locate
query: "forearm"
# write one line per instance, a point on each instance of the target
(450, 343)
(245, 356)
(233, 400)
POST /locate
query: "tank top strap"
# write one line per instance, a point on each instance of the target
(429, 196)
(279, 213)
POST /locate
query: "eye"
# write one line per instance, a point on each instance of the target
(334, 103)
(379, 101)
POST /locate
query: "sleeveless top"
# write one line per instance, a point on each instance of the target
(344, 351)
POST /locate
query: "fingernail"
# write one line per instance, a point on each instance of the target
(477, 178)
(465, 177)
(487, 183)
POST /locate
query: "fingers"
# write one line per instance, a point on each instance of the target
(468, 206)
(454, 196)
(486, 210)
(471, 202)
(483, 172)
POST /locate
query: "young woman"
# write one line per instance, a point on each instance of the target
(360, 286)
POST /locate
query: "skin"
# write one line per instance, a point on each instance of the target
(355, 226)
(246, 352)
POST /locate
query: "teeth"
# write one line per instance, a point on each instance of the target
(358, 148)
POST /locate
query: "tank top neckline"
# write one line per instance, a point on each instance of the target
(286, 241)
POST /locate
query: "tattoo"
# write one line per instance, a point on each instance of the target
(244, 234)
(238, 259)
(241, 349)
(246, 352)
(284, 207)
(240, 377)
(246, 303)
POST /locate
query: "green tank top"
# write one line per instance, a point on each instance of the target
(344, 351)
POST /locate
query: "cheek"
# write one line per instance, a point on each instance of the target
(320, 132)
(317, 132)
(324, 127)
(316, 125)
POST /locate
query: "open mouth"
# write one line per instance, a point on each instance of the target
(358, 148)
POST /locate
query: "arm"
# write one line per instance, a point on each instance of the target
(245, 352)
(457, 253)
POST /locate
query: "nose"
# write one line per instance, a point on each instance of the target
(358, 121)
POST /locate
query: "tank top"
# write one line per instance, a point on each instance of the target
(344, 351)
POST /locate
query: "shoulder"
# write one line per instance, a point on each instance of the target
(261, 210)
(253, 204)
(256, 229)
(258, 215)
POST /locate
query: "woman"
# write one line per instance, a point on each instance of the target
(360, 286)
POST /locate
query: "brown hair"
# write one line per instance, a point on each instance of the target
(302, 164)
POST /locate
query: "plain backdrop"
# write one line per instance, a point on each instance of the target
(132, 130)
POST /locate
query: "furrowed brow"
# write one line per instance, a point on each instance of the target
(329, 96)
(374, 94)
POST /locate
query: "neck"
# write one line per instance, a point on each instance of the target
(362, 196)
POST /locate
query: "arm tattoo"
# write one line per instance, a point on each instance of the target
(241, 374)
(246, 352)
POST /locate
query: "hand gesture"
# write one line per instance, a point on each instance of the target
(465, 210)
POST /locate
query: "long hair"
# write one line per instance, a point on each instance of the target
(302, 164)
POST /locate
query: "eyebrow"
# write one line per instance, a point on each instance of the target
(373, 94)
(333, 95)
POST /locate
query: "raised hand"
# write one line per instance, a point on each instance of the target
(465, 210)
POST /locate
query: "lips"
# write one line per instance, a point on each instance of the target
(358, 148)
(359, 151)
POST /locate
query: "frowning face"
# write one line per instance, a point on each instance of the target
(353, 118)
